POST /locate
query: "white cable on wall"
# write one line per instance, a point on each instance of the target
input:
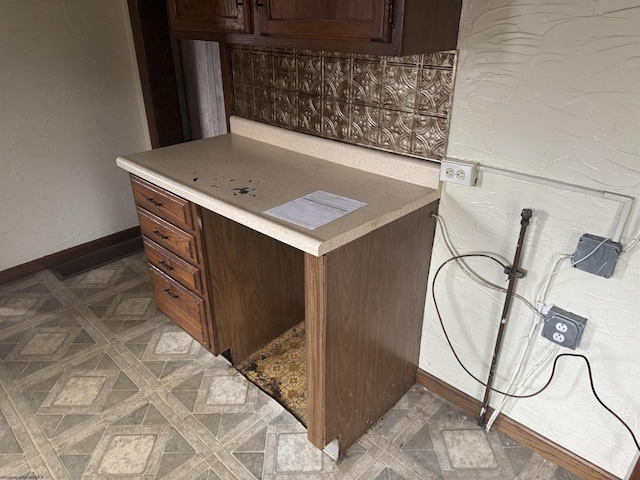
(519, 378)
(473, 275)
(626, 201)
(539, 300)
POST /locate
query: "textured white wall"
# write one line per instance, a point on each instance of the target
(69, 104)
(549, 88)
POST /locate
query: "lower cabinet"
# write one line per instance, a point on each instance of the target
(173, 246)
(182, 306)
(174, 266)
(360, 306)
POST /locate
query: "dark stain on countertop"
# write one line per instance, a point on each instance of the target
(243, 191)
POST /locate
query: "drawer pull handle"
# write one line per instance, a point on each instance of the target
(165, 265)
(159, 235)
(153, 202)
(171, 294)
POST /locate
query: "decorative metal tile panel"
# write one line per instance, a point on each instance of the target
(263, 104)
(398, 104)
(366, 82)
(242, 70)
(399, 86)
(262, 68)
(429, 135)
(243, 95)
(284, 69)
(335, 121)
(364, 125)
(310, 74)
(396, 131)
(434, 95)
(285, 108)
(336, 78)
(310, 114)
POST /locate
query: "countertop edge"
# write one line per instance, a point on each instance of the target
(263, 224)
(362, 230)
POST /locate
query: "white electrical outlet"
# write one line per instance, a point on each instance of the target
(562, 327)
(457, 171)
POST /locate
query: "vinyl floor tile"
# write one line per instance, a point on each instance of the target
(96, 383)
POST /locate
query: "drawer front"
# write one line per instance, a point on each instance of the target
(166, 205)
(163, 233)
(175, 267)
(183, 307)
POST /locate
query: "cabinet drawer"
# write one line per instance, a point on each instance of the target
(183, 307)
(162, 203)
(163, 233)
(176, 268)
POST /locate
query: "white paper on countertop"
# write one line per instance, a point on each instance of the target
(315, 209)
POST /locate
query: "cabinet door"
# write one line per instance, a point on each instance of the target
(354, 20)
(211, 15)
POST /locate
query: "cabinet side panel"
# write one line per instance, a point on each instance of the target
(208, 320)
(256, 283)
(430, 26)
(315, 269)
(376, 289)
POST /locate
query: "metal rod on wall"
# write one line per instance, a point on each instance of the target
(514, 273)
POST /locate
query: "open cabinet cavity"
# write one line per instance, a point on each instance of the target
(342, 330)
(280, 370)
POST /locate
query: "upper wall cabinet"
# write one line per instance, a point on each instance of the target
(351, 20)
(379, 27)
(220, 16)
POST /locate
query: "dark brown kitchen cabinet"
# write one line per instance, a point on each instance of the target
(238, 279)
(353, 20)
(379, 27)
(173, 244)
(212, 16)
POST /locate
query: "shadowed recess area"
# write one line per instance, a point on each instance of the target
(106, 255)
(280, 369)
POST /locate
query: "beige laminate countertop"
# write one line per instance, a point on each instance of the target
(240, 178)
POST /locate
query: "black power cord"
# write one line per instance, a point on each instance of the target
(555, 362)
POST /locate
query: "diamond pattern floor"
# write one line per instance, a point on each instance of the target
(96, 383)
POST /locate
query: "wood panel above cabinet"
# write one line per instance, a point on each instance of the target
(379, 27)
(222, 16)
(353, 20)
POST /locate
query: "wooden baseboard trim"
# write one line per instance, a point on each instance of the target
(527, 437)
(64, 256)
(635, 474)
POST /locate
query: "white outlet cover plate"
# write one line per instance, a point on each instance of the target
(459, 172)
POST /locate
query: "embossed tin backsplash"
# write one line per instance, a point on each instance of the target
(398, 104)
